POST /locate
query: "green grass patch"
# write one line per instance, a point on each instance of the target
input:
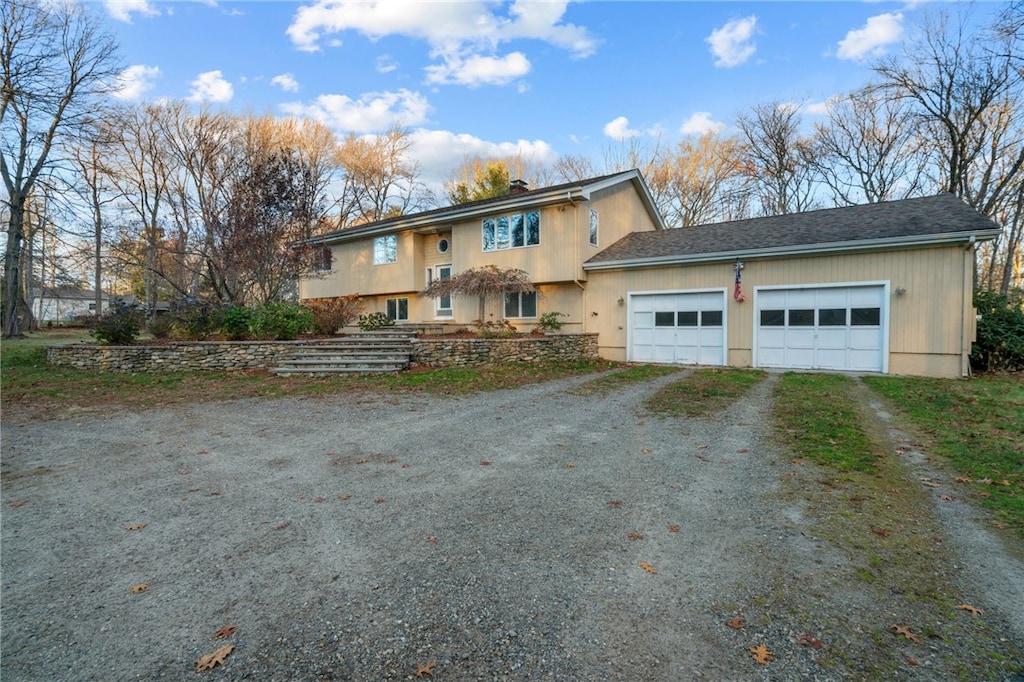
(704, 392)
(976, 425)
(29, 386)
(816, 417)
(634, 374)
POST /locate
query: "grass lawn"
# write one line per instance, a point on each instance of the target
(29, 386)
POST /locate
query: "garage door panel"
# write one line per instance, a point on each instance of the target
(670, 328)
(840, 328)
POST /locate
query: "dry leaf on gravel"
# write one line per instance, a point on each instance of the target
(737, 623)
(903, 630)
(673, 529)
(647, 567)
(19, 503)
(225, 632)
(142, 587)
(135, 526)
(635, 536)
(974, 610)
(426, 669)
(884, 532)
(808, 640)
(761, 654)
(485, 463)
(208, 661)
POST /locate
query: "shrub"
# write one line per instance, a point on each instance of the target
(331, 314)
(1000, 343)
(235, 322)
(373, 321)
(549, 322)
(119, 327)
(280, 321)
(160, 326)
(497, 329)
(196, 321)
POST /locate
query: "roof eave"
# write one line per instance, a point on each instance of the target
(798, 250)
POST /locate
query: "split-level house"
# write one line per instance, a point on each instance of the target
(883, 287)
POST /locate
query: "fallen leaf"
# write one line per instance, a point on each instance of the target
(761, 654)
(614, 503)
(635, 536)
(142, 587)
(184, 472)
(426, 669)
(362, 461)
(702, 447)
(208, 661)
(346, 496)
(808, 640)
(884, 532)
(406, 465)
(570, 465)
(283, 525)
(930, 484)
(906, 632)
(911, 661)
(645, 451)
(673, 529)
(737, 623)
(135, 526)
(647, 567)
(743, 450)
(485, 463)
(378, 500)
(963, 479)
(975, 611)
(19, 503)
(203, 452)
(391, 460)
(319, 499)
(217, 492)
(702, 458)
(947, 498)
(225, 632)
(985, 481)
(432, 538)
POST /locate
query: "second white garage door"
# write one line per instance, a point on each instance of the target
(836, 328)
(684, 328)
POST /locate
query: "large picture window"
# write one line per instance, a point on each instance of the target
(385, 250)
(511, 231)
(521, 305)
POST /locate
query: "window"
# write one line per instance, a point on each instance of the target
(323, 259)
(398, 309)
(511, 232)
(832, 317)
(801, 318)
(442, 305)
(521, 305)
(664, 319)
(865, 317)
(711, 318)
(385, 249)
(773, 318)
(593, 227)
(687, 319)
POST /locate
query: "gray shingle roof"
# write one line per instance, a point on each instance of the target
(879, 224)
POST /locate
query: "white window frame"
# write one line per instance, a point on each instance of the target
(440, 312)
(519, 305)
(385, 249)
(594, 226)
(502, 239)
(398, 308)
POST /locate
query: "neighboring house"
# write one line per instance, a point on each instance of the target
(875, 288)
(62, 304)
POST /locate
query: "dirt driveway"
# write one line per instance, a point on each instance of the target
(526, 534)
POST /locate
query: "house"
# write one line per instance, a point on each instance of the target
(63, 304)
(883, 287)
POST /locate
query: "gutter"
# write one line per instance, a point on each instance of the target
(796, 250)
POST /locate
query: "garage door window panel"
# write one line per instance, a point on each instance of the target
(832, 317)
(801, 318)
(711, 318)
(865, 317)
(773, 318)
(686, 319)
(664, 319)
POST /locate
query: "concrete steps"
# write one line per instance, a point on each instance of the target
(380, 351)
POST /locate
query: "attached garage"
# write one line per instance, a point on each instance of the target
(686, 327)
(837, 327)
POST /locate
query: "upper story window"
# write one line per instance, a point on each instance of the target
(323, 258)
(511, 231)
(593, 227)
(385, 249)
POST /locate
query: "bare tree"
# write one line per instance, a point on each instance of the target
(870, 149)
(778, 157)
(484, 281)
(380, 178)
(967, 91)
(55, 62)
(701, 181)
(574, 168)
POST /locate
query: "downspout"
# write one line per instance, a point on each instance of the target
(576, 259)
(967, 307)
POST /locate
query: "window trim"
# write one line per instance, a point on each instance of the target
(398, 308)
(519, 305)
(501, 229)
(384, 252)
(594, 227)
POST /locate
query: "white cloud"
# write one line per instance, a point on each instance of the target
(479, 70)
(618, 129)
(122, 10)
(463, 36)
(211, 87)
(286, 82)
(733, 44)
(871, 40)
(699, 123)
(372, 111)
(439, 152)
(135, 81)
(819, 108)
(386, 64)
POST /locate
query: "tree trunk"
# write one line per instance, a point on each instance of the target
(12, 268)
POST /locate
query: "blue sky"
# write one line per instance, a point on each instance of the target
(491, 78)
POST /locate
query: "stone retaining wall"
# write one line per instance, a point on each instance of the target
(242, 355)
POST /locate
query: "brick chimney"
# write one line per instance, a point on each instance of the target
(518, 187)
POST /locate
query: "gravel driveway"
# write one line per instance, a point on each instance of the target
(525, 534)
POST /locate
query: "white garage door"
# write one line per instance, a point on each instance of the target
(841, 328)
(686, 328)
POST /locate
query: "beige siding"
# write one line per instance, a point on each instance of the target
(929, 325)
